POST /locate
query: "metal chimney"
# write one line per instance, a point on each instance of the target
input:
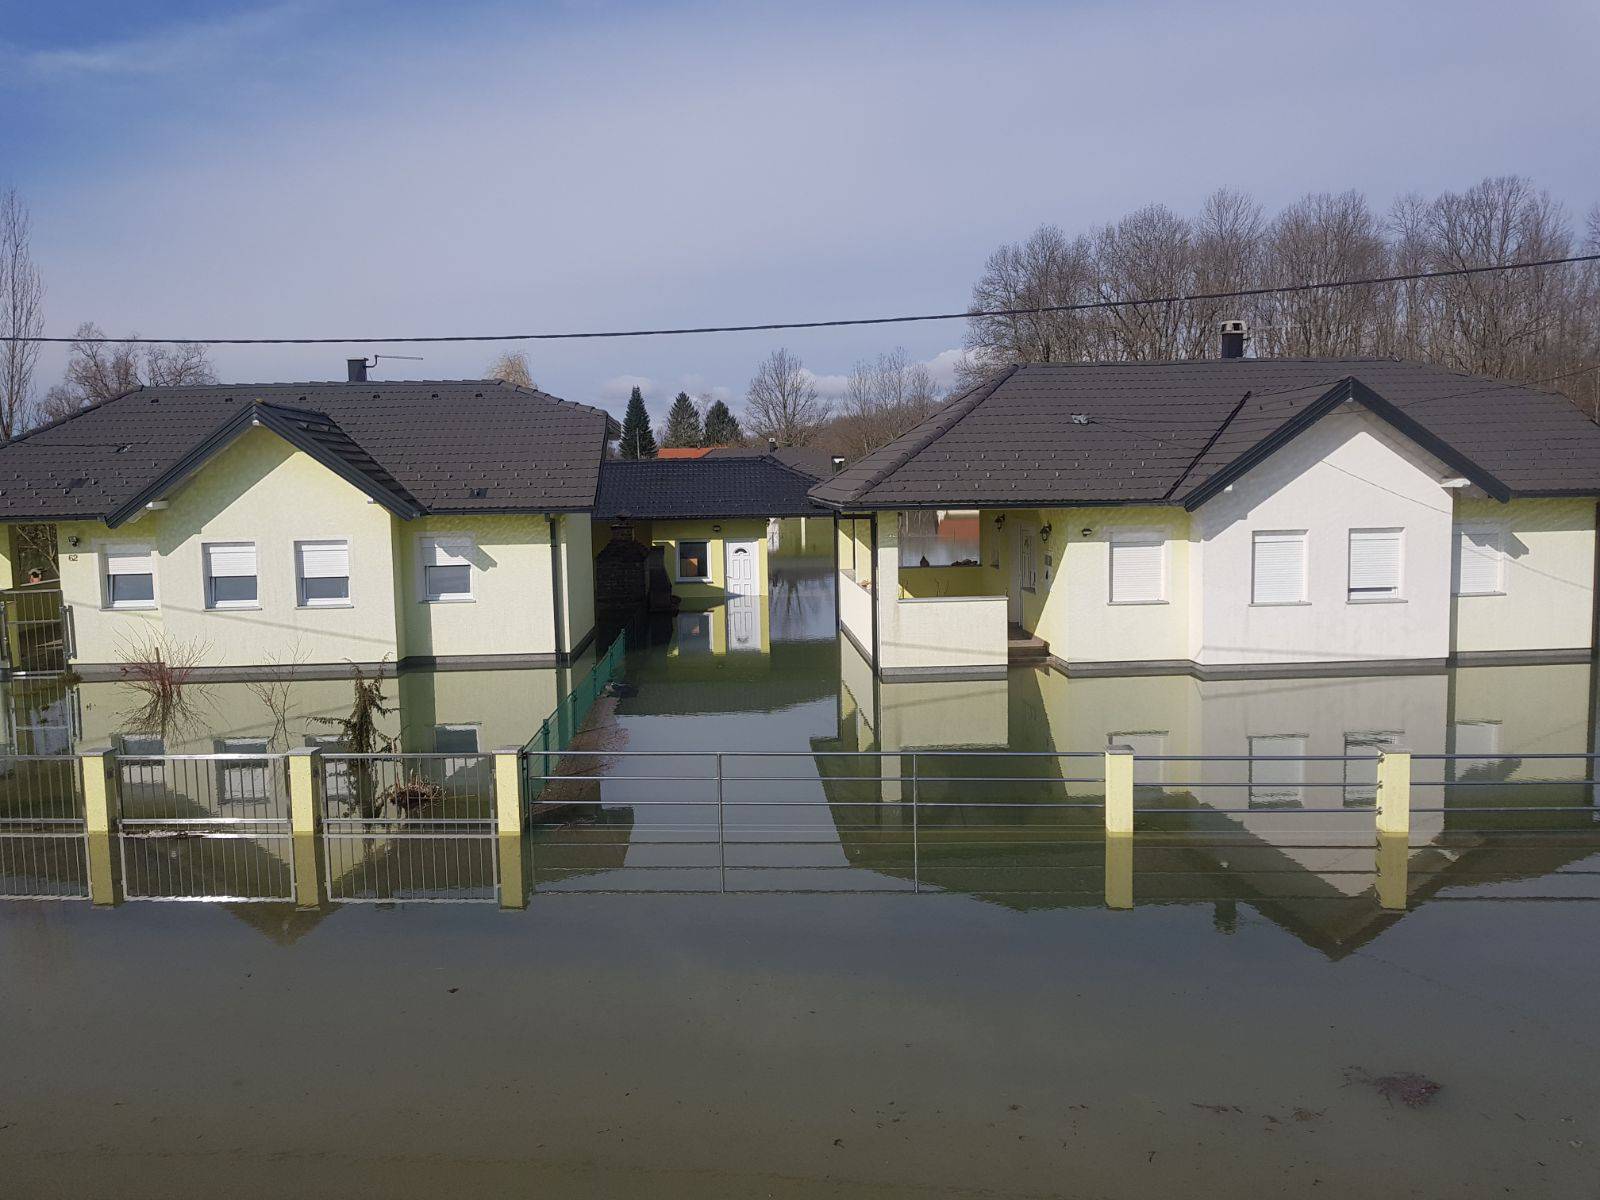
(356, 369)
(772, 444)
(1233, 334)
(838, 463)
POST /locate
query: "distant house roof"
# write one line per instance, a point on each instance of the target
(802, 458)
(1176, 433)
(448, 446)
(704, 489)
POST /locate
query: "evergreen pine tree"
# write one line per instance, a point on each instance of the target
(722, 427)
(683, 423)
(637, 440)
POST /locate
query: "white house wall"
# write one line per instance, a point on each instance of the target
(1348, 471)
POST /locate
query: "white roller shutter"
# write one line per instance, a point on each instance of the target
(1374, 563)
(1278, 568)
(1275, 783)
(446, 552)
(230, 559)
(1479, 560)
(128, 560)
(324, 560)
(1138, 568)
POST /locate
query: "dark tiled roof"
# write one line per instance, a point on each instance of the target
(1161, 432)
(703, 489)
(815, 463)
(450, 445)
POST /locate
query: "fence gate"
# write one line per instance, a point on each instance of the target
(35, 631)
(42, 846)
(205, 827)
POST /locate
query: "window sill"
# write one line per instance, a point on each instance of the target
(1375, 600)
(448, 600)
(1280, 604)
(695, 579)
(333, 604)
(129, 607)
(1136, 603)
(226, 608)
(1475, 595)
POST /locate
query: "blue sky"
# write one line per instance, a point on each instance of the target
(319, 167)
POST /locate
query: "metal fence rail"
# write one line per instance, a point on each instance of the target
(559, 728)
(39, 787)
(205, 827)
(413, 788)
(35, 630)
(44, 861)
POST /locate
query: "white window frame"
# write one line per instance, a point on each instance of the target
(212, 603)
(301, 599)
(677, 560)
(1137, 535)
(1361, 780)
(1394, 595)
(1305, 566)
(103, 550)
(1493, 529)
(469, 549)
(1148, 771)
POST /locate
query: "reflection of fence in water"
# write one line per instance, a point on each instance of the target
(43, 861)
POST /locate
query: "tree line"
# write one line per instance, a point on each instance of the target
(1540, 325)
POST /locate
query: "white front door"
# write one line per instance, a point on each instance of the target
(1013, 545)
(744, 560)
(744, 623)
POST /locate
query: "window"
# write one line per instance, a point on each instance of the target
(1474, 738)
(1361, 778)
(141, 780)
(323, 569)
(446, 569)
(1374, 564)
(943, 537)
(1275, 783)
(694, 633)
(244, 781)
(1479, 567)
(230, 574)
(693, 561)
(1138, 566)
(335, 774)
(1278, 567)
(130, 576)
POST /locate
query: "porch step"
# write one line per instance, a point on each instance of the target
(1024, 647)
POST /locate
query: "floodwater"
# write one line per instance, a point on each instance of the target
(808, 990)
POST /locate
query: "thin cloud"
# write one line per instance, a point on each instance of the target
(174, 48)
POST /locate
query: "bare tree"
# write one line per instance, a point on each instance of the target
(1320, 238)
(512, 367)
(782, 400)
(1046, 270)
(883, 398)
(100, 370)
(21, 314)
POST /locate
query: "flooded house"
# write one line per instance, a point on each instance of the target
(1224, 518)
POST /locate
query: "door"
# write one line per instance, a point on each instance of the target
(744, 559)
(744, 623)
(1014, 575)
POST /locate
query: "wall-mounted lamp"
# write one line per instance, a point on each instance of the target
(1000, 521)
(716, 529)
(1044, 534)
(1086, 531)
(73, 539)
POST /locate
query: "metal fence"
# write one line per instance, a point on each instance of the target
(558, 729)
(35, 630)
(409, 827)
(205, 827)
(42, 848)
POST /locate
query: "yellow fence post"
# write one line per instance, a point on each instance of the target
(1119, 789)
(1119, 870)
(508, 790)
(1394, 791)
(99, 789)
(305, 816)
(99, 768)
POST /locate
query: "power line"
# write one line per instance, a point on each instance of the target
(772, 326)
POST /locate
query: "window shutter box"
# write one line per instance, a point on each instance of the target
(231, 560)
(128, 560)
(1136, 569)
(1374, 562)
(324, 560)
(1279, 568)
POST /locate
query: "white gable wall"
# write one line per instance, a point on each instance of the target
(1348, 471)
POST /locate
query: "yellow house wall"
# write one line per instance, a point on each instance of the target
(1548, 599)
(670, 533)
(577, 573)
(512, 610)
(259, 489)
(1081, 623)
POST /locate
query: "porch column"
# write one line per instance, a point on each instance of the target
(885, 584)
